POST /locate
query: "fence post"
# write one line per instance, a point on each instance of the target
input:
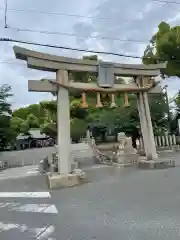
(159, 141)
(141, 145)
(22, 161)
(166, 139)
(170, 140)
(163, 141)
(156, 143)
(174, 139)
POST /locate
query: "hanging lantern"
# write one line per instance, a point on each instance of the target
(126, 100)
(84, 103)
(113, 103)
(99, 103)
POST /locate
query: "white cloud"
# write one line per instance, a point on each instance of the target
(174, 19)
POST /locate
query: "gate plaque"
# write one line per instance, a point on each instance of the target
(105, 75)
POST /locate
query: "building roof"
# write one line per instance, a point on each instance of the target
(22, 137)
(33, 133)
(36, 133)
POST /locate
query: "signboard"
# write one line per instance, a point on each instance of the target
(105, 75)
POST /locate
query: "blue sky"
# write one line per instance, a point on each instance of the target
(128, 19)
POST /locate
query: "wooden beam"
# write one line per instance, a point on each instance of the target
(41, 86)
(48, 62)
(45, 85)
(50, 85)
(47, 65)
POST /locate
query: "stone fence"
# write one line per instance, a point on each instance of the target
(164, 141)
(81, 152)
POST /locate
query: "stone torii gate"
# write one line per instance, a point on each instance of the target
(143, 83)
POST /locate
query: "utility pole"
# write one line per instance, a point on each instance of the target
(5, 13)
(168, 108)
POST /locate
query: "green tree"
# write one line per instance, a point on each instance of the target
(177, 103)
(5, 116)
(165, 47)
(85, 76)
(16, 124)
(76, 111)
(24, 128)
(32, 121)
(159, 112)
(176, 115)
(78, 129)
(35, 109)
(49, 129)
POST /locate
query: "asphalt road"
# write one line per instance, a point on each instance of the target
(26, 208)
(126, 204)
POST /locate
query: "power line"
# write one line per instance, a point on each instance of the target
(74, 15)
(69, 34)
(70, 15)
(80, 50)
(68, 48)
(165, 1)
(75, 35)
(55, 13)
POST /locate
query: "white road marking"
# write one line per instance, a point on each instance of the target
(35, 172)
(3, 205)
(25, 195)
(36, 233)
(51, 209)
(40, 233)
(46, 233)
(45, 208)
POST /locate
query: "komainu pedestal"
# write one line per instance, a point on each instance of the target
(126, 154)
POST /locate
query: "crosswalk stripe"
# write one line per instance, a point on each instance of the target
(35, 172)
(45, 233)
(38, 208)
(40, 233)
(25, 195)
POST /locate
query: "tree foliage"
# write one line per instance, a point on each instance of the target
(165, 47)
(5, 116)
(78, 129)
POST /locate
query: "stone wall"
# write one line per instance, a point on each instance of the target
(81, 152)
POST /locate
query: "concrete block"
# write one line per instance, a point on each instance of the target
(56, 181)
(127, 158)
(156, 164)
(123, 165)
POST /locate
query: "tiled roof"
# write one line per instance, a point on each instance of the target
(34, 133)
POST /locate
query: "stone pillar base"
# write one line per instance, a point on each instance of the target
(156, 164)
(58, 181)
(123, 165)
(176, 148)
(127, 158)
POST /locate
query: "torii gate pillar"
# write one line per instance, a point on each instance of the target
(146, 127)
(63, 124)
